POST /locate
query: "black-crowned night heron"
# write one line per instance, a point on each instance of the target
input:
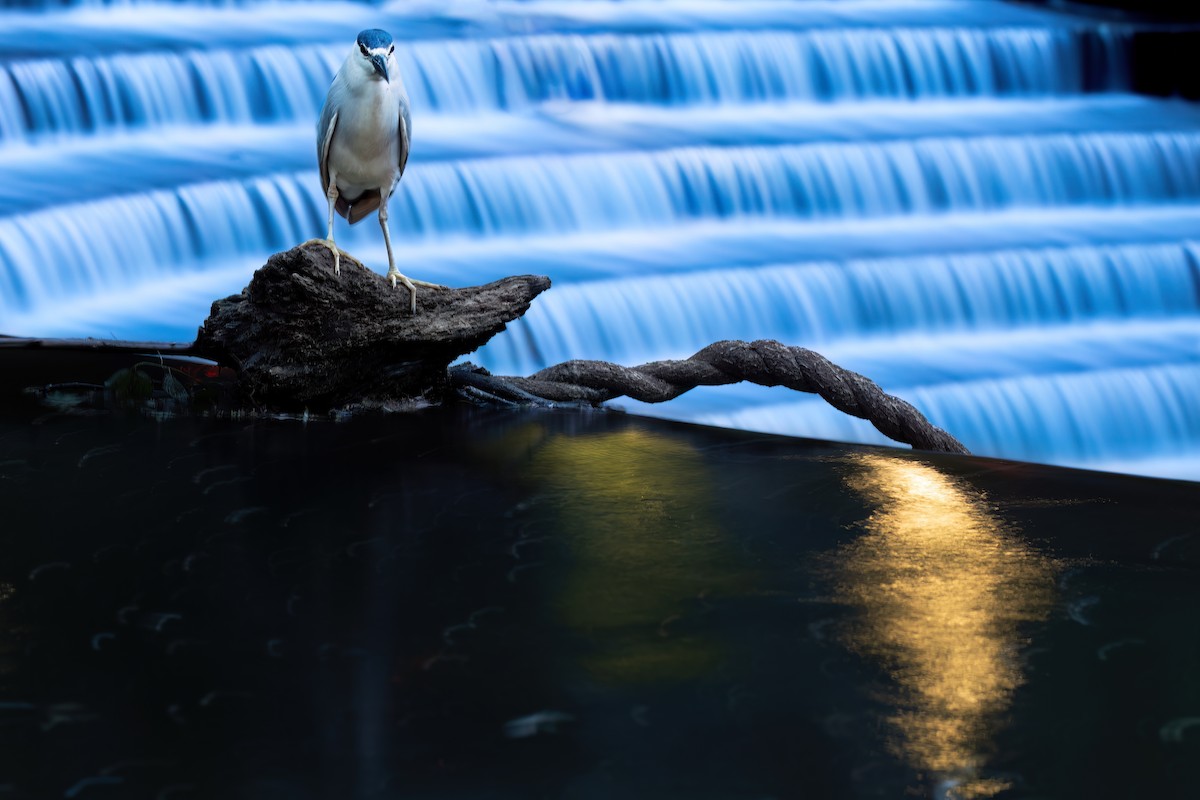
(363, 139)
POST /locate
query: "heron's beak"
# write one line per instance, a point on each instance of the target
(380, 64)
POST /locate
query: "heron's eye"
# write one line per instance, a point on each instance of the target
(391, 49)
(363, 49)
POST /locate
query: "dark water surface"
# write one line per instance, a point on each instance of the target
(461, 604)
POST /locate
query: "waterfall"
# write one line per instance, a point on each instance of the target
(272, 83)
(530, 195)
(962, 200)
(632, 320)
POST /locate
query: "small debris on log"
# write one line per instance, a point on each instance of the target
(305, 338)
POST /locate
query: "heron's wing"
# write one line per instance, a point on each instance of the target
(405, 132)
(325, 128)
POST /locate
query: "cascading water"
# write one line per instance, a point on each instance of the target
(959, 199)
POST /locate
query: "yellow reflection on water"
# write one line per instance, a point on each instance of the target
(645, 548)
(942, 587)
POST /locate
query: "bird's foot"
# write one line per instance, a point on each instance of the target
(333, 248)
(427, 284)
(337, 257)
(395, 275)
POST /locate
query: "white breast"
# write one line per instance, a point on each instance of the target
(365, 151)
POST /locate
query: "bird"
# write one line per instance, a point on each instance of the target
(363, 139)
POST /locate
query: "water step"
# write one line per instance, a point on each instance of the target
(100, 295)
(174, 27)
(925, 178)
(716, 244)
(267, 82)
(126, 163)
(633, 320)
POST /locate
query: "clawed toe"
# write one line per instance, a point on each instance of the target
(333, 248)
(395, 276)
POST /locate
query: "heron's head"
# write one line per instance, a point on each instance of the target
(375, 49)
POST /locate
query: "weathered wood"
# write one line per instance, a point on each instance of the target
(765, 362)
(304, 337)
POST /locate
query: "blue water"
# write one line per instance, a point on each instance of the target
(962, 200)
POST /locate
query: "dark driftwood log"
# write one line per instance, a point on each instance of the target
(304, 337)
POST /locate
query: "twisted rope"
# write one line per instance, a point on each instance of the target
(764, 362)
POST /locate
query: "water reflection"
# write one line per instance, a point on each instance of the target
(637, 512)
(942, 587)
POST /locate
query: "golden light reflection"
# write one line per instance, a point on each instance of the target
(942, 588)
(636, 508)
